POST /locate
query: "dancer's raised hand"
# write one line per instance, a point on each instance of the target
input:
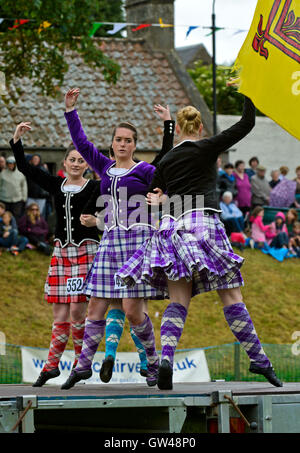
(163, 112)
(71, 98)
(21, 129)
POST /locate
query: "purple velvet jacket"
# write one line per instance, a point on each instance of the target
(123, 196)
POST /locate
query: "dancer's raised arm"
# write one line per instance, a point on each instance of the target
(88, 150)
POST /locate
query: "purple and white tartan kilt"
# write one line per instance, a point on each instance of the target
(195, 247)
(116, 247)
(69, 266)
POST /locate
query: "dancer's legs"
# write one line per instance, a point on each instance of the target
(93, 334)
(172, 325)
(242, 327)
(77, 316)
(143, 329)
(59, 340)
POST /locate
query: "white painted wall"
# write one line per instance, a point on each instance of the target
(272, 145)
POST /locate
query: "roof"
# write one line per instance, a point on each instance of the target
(147, 78)
(190, 54)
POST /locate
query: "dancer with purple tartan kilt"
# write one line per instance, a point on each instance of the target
(120, 240)
(191, 254)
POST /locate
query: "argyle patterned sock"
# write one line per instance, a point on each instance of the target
(77, 329)
(242, 327)
(114, 328)
(93, 334)
(140, 349)
(145, 335)
(172, 324)
(59, 340)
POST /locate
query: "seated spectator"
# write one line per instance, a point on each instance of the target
(283, 172)
(274, 178)
(290, 218)
(231, 215)
(243, 186)
(35, 228)
(297, 179)
(284, 195)
(260, 188)
(13, 188)
(258, 229)
(13, 220)
(2, 163)
(294, 240)
(226, 181)
(9, 237)
(277, 236)
(253, 163)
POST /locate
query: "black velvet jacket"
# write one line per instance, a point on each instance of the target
(68, 206)
(190, 167)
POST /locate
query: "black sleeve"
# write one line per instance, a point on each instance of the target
(167, 144)
(91, 205)
(157, 181)
(39, 176)
(227, 138)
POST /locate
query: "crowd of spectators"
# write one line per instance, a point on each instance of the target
(245, 196)
(244, 193)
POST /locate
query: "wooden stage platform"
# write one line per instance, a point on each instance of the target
(253, 407)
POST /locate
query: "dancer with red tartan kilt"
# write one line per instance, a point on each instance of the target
(190, 253)
(75, 245)
(122, 182)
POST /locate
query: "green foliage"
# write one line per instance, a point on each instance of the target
(229, 101)
(40, 56)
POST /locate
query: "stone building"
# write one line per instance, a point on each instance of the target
(151, 72)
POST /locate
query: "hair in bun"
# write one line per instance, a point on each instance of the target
(189, 120)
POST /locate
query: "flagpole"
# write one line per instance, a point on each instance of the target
(213, 21)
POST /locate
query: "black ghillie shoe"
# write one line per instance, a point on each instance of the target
(107, 368)
(75, 377)
(152, 374)
(268, 373)
(165, 374)
(45, 376)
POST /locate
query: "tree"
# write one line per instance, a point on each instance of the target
(37, 50)
(229, 101)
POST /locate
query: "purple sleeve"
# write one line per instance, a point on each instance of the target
(89, 152)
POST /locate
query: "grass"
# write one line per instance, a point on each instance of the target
(271, 294)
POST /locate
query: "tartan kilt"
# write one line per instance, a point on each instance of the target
(70, 262)
(116, 247)
(194, 247)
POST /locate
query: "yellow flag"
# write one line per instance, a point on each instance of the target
(268, 62)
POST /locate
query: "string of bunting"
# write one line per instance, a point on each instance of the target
(118, 26)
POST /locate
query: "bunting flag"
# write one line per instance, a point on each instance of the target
(118, 26)
(95, 27)
(18, 23)
(1, 20)
(164, 25)
(190, 29)
(43, 26)
(140, 27)
(216, 29)
(268, 62)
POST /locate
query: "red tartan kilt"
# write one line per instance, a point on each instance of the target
(70, 262)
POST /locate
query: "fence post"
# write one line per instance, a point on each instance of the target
(237, 371)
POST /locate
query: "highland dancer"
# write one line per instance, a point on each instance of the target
(190, 253)
(75, 246)
(120, 239)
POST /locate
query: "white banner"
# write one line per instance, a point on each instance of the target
(189, 366)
